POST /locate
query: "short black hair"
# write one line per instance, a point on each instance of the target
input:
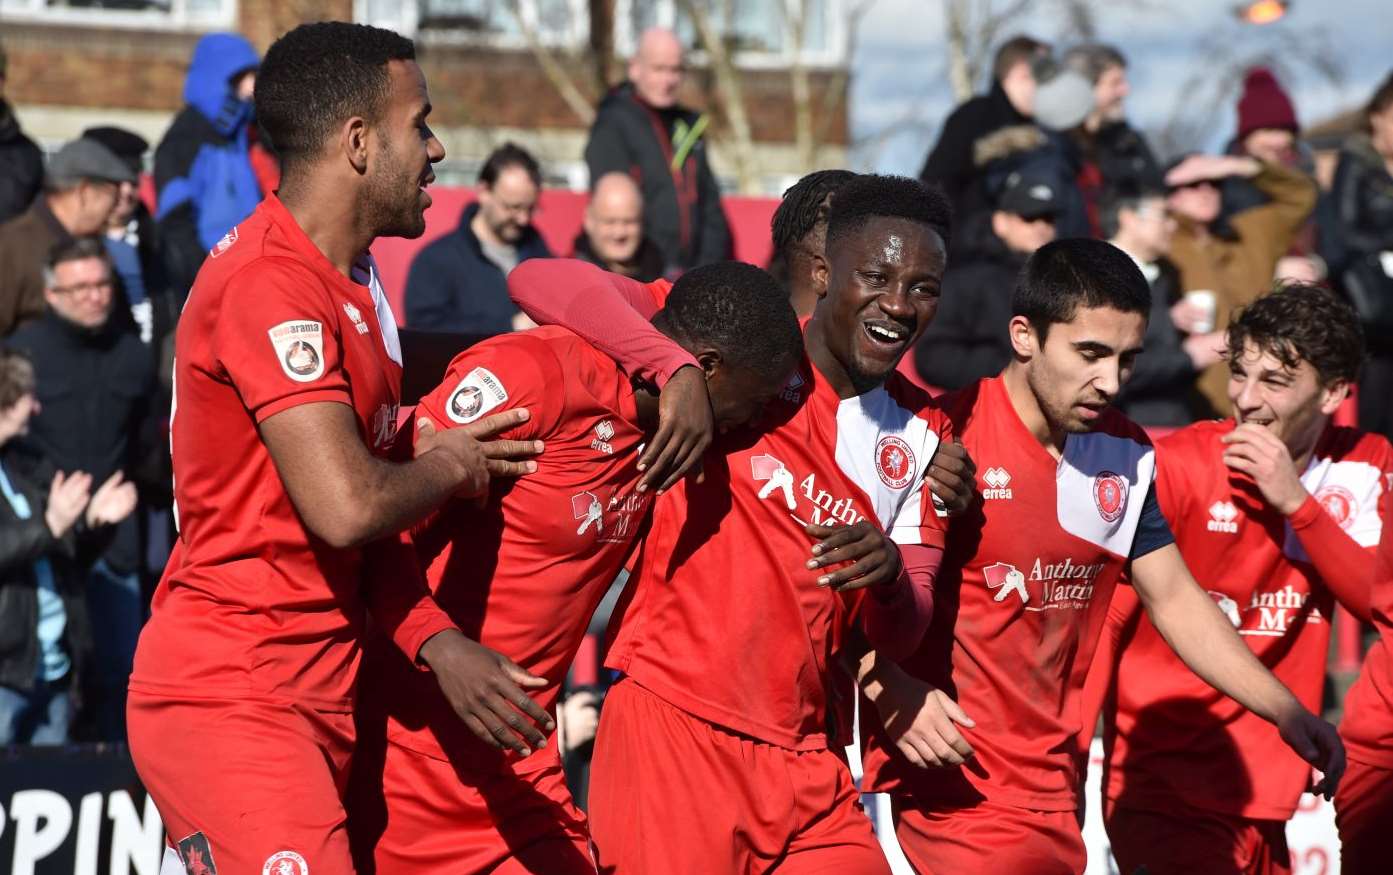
(509, 155)
(798, 211)
(1302, 322)
(739, 310)
(1127, 194)
(319, 75)
(1077, 272)
(869, 196)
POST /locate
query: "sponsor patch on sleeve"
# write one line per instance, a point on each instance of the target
(299, 346)
(478, 393)
(196, 856)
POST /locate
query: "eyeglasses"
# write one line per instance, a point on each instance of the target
(97, 287)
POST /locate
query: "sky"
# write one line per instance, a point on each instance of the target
(900, 92)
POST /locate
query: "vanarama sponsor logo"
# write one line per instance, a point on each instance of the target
(1272, 614)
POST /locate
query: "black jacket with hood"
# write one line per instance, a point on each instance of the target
(21, 166)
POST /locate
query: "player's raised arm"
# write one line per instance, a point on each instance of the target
(347, 496)
(1198, 632)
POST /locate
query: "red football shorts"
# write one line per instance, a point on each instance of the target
(674, 794)
(1188, 841)
(1364, 815)
(415, 813)
(245, 786)
(989, 837)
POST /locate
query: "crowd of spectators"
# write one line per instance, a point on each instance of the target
(93, 281)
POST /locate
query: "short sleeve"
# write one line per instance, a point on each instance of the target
(498, 375)
(276, 339)
(1153, 532)
(923, 519)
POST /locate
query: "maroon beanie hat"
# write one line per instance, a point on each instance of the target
(1264, 104)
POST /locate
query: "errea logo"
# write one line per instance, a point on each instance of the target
(998, 482)
(1223, 517)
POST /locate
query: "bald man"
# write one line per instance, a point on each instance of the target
(611, 236)
(642, 131)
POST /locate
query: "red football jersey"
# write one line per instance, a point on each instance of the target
(1173, 739)
(1367, 727)
(523, 574)
(1021, 597)
(250, 603)
(726, 622)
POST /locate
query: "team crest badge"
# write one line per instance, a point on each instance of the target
(285, 863)
(196, 855)
(894, 462)
(1340, 503)
(299, 346)
(1110, 494)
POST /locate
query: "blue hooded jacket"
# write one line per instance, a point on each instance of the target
(204, 179)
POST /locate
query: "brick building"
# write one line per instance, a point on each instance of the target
(75, 63)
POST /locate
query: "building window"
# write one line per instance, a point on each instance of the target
(148, 14)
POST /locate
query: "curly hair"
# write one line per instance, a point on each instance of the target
(801, 207)
(870, 196)
(1301, 322)
(319, 75)
(738, 309)
(16, 377)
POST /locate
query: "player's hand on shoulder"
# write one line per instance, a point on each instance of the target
(477, 452)
(1318, 743)
(953, 476)
(485, 688)
(685, 429)
(866, 555)
(919, 718)
(1257, 452)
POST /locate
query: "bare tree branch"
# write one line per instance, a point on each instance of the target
(727, 82)
(555, 73)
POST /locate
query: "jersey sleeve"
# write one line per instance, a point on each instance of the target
(609, 311)
(1153, 532)
(276, 339)
(397, 597)
(923, 518)
(498, 375)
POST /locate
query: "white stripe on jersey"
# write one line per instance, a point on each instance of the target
(1088, 460)
(863, 424)
(1351, 487)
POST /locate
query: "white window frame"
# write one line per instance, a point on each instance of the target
(407, 22)
(834, 55)
(178, 18)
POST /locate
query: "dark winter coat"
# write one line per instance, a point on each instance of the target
(22, 542)
(1115, 156)
(204, 180)
(968, 339)
(452, 285)
(1163, 390)
(1362, 196)
(21, 166)
(951, 163)
(96, 391)
(681, 208)
(646, 266)
(25, 244)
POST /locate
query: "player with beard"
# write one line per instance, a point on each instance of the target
(1279, 512)
(716, 751)
(1025, 586)
(524, 574)
(287, 388)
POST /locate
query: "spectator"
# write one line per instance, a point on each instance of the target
(95, 381)
(43, 619)
(799, 231)
(1363, 200)
(1307, 270)
(204, 179)
(968, 338)
(1011, 101)
(1235, 261)
(459, 283)
(132, 244)
(1162, 390)
(612, 234)
(1114, 154)
(81, 188)
(641, 130)
(21, 162)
